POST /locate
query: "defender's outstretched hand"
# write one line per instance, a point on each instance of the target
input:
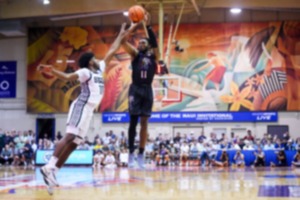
(45, 68)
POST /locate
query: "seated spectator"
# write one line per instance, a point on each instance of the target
(224, 160)
(184, 153)
(174, 154)
(27, 154)
(235, 145)
(260, 158)
(124, 158)
(296, 161)
(98, 159)
(149, 150)
(98, 144)
(269, 146)
(195, 152)
(279, 145)
(83, 146)
(248, 146)
(162, 158)
(204, 154)
(109, 161)
(239, 159)
(290, 145)
(6, 155)
(281, 158)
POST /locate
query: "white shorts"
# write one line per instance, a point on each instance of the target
(79, 118)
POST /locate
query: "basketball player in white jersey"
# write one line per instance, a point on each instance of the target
(90, 76)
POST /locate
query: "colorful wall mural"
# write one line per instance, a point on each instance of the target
(213, 67)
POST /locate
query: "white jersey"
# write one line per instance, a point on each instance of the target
(81, 110)
(92, 86)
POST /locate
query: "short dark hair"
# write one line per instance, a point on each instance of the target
(84, 59)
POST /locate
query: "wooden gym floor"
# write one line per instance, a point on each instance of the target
(153, 183)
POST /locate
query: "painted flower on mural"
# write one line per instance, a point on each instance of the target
(259, 79)
(250, 82)
(76, 36)
(238, 98)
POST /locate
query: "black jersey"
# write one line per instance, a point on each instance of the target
(143, 68)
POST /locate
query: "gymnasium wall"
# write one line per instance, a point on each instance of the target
(13, 111)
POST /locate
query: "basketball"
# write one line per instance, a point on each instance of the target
(136, 13)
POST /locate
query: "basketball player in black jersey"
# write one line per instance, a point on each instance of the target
(144, 63)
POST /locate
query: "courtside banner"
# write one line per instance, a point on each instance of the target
(196, 117)
(8, 77)
(77, 157)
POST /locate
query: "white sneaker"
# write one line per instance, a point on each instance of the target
(131, 161)
(49, 176)
(141, 161)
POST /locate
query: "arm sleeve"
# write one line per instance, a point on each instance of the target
(152, 38)
(102, 65)
(83, 75)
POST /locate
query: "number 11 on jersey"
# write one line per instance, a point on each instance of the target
(143, 74)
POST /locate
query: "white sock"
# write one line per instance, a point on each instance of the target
(52, 162)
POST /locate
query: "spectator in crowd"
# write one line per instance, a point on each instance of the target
(184, 153)
(269, 146)
(6, 155)
(296, 160)
(177, 138)
(236, 146)
(194, 153)
(162, 158)
(98, 145)
(98, 159)
(204, 155)
(174, 154)
(249, 136)
(109, 161)
(83, 146)
(58, 135)
(202, 136)
(290, 145)
(87, 141)
(224, 160)
(260, 158)
(239, 159)
(27, 154)
(265, 139)
(149, 151)
(248, 146)
(223, 138)
(124, 158)
(279, 145)
(281, 159)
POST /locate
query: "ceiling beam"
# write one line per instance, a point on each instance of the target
(16, 9)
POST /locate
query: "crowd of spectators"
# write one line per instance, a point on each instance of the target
(19, 147)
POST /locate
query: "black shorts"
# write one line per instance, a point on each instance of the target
(140, 100)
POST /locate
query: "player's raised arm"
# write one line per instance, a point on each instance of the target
(49, 69)
(152, 38)
(117, 43)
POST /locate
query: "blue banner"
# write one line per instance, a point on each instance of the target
(8, 79)
(77, 157)
(189, 117)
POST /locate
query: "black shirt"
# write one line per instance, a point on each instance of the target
(143, 68)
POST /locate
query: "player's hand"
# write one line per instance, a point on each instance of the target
(45, 68)
(147, 18)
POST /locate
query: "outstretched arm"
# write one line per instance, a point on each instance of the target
(152, 37)
(49, 69)
(117, 43)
